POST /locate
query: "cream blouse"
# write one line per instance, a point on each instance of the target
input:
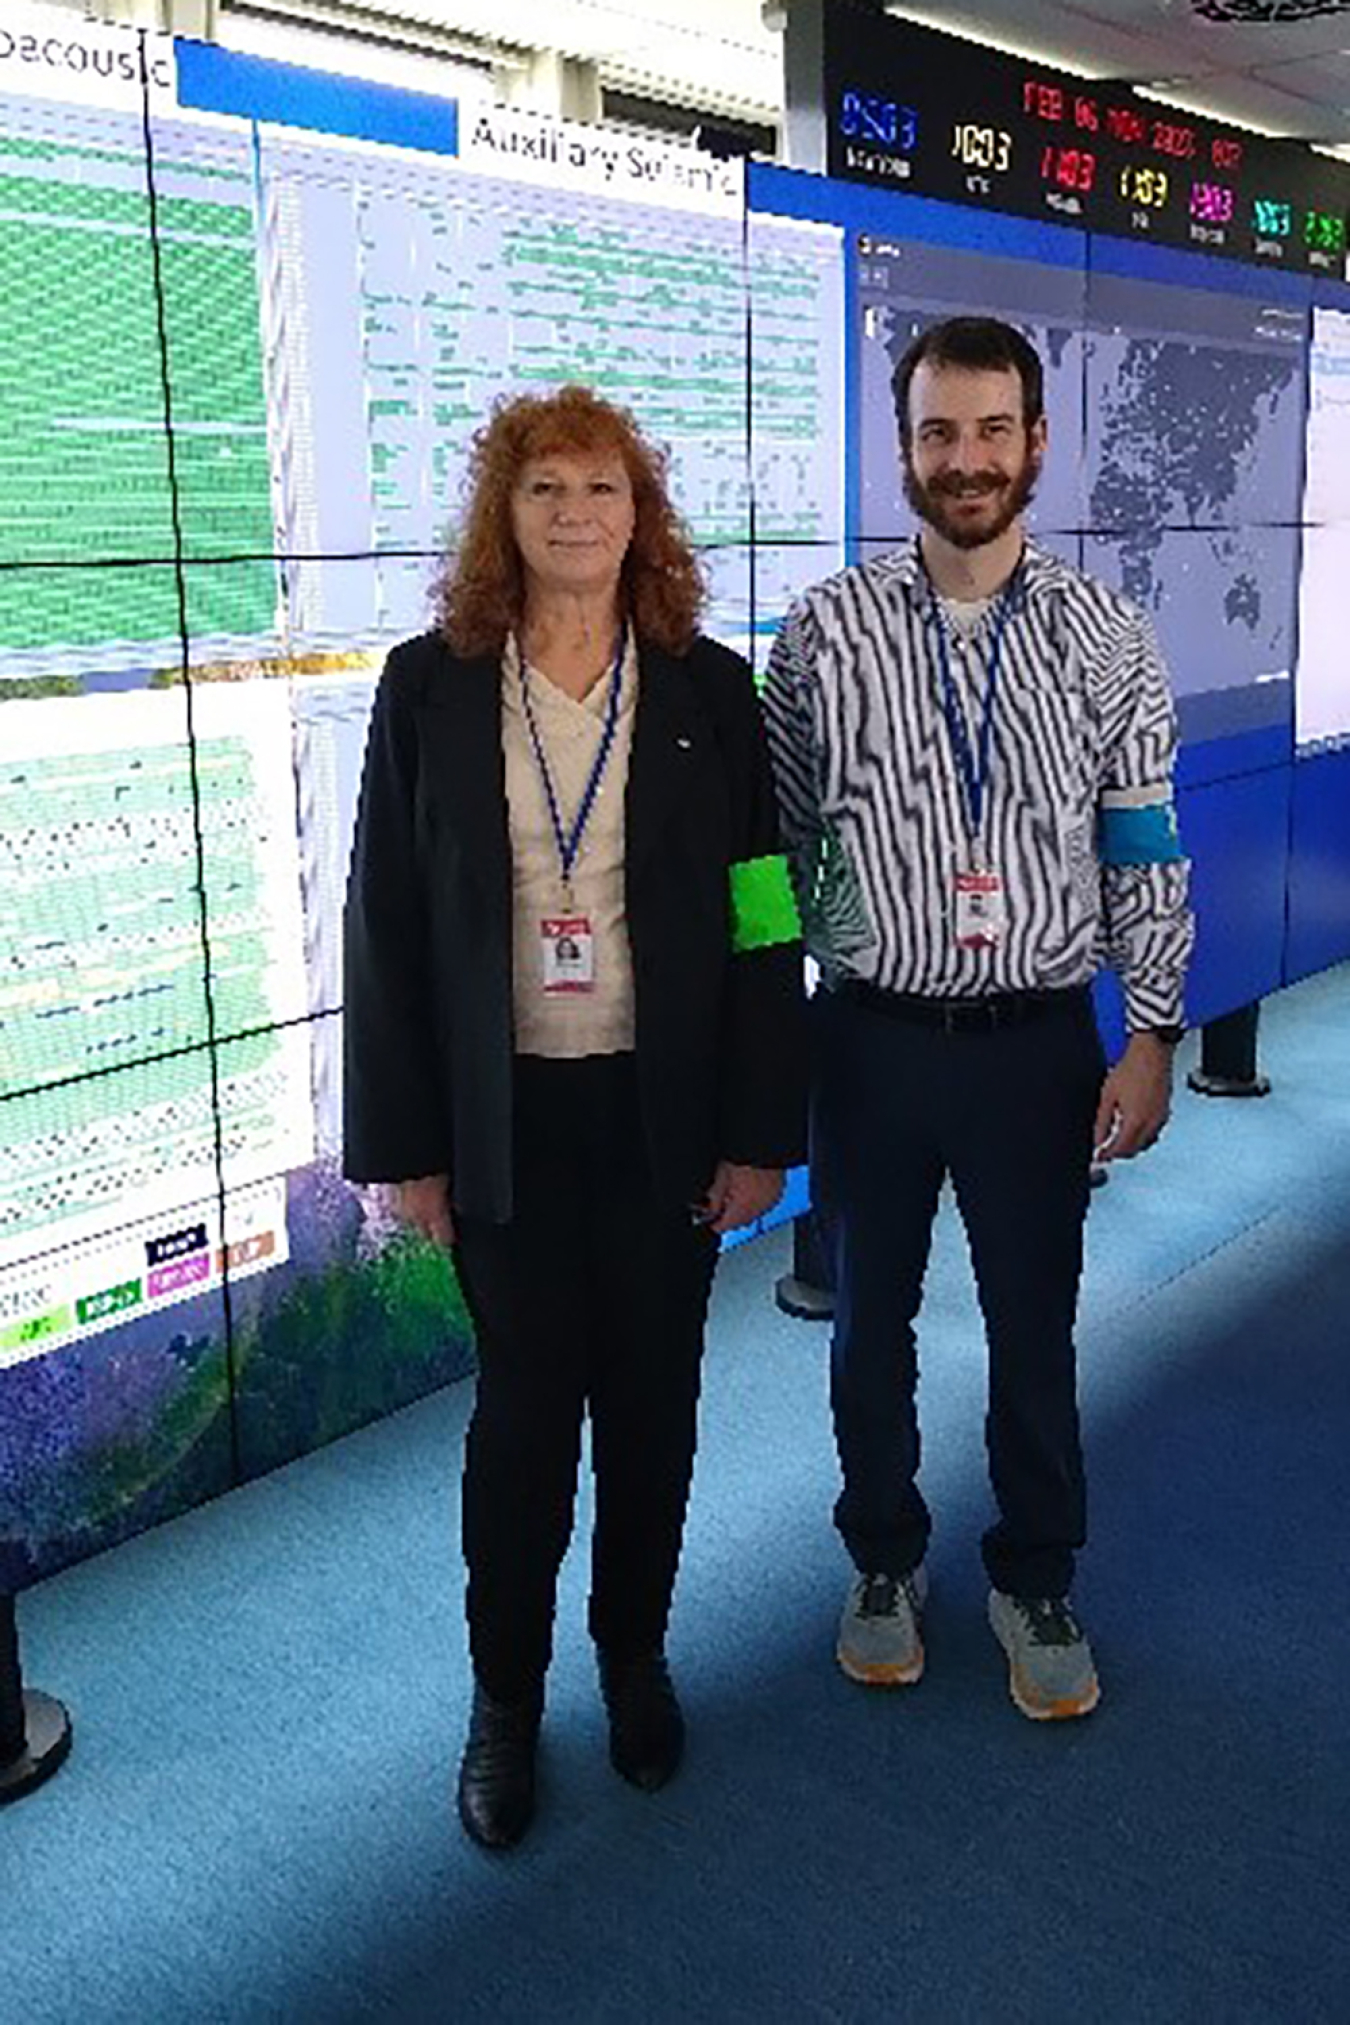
(599, 1021)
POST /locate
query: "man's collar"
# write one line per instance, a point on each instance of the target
(1038, 570)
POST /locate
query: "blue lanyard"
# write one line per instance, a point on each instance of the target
(972, 765)
(570, 843)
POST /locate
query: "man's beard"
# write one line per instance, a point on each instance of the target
(928, 501)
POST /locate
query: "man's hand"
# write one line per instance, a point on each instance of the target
(424, 1206)
(738, 1195)
(1135, 1101)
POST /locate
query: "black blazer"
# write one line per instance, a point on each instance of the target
(428, 947)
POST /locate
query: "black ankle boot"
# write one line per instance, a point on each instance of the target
(646, 1728)
(496, 1773)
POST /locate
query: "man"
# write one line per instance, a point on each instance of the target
(973, 744)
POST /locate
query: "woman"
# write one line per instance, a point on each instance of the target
(572, 1038)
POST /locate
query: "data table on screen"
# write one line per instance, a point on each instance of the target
(1326, 485)
(1321, 688)
(101, 954)
(83, 454)
(406, 297)
(150, 904)
(795, 401)
(210, 277)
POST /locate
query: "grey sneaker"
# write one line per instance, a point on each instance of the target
(1051, 1674)
(879, 1641)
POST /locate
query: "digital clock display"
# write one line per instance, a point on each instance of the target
(1323, 232)
(865, 116)
(1069, 168)
(1272, 218)
(1212, 203)
(980, 147)
(1140, 184)
(920, 112)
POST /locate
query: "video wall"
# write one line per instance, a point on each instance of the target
(243, 366)
(252, 326)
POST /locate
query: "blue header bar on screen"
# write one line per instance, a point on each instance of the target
(287, 94)
(861, 207)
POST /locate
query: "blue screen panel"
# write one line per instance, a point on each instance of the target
(287, 94)
(1319, 869)
(1236, 834)
(1224, 745)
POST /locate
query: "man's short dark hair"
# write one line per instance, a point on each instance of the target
(973, 344)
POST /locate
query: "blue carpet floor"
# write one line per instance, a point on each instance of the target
(256, 1822)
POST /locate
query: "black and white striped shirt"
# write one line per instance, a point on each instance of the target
(1078, 819)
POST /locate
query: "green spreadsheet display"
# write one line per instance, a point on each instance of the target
(240, 377)
(88, 384)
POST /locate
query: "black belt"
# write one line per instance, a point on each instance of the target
(981, 1015)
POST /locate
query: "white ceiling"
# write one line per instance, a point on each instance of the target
(1288, 73)
(714, 54)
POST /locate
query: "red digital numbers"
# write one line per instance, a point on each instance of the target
(1074, 168)
(1177, 141)
(1069, 168)
(1050, 102)
(1042, 101)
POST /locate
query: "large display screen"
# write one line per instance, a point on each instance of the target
(244, 364)
(1193, 408)
(1175, 456)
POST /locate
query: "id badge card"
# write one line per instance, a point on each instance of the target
(980, 909)
(567, 946)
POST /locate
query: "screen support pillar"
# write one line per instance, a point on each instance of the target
(34, 1729)
(1228, 1057)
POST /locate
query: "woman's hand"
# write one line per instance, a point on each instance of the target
(424, 1206)
(739, 1195)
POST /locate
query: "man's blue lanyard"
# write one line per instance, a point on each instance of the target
(972, 764)
(569, 843)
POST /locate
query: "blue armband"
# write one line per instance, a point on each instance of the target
(1138, 832)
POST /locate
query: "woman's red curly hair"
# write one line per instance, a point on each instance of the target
(480, 597)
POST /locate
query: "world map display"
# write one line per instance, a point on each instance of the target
(1193, 445)
(1176, 448)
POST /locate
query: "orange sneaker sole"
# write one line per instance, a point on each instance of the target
(882, 1676)
(1053, 1712)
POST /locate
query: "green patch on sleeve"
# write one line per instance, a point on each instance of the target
(763, 910)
